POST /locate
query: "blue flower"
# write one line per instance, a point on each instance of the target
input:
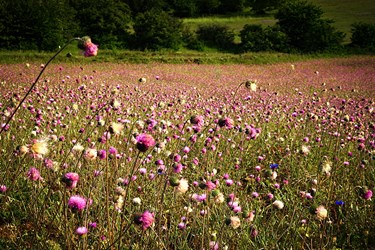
(339, 203)
(274, 166)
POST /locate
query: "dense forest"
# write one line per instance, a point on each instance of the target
(157, 24)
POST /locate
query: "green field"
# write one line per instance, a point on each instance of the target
(343, 12)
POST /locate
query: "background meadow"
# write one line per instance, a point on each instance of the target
(188, 156)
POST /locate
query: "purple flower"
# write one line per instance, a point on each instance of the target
(144, 142)
(274, 166)
(339, 203)
(226, 122)
(367, 195)
(34, 174)
(147, 219)
(3, 188)
(77, 203)
(70, 179)
(81, 231)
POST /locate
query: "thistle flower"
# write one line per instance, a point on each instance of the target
(90, 49)
(147, 219)
(142, 80)
(40, 147)
(367, 195)
(321, 212)
(183, 186)
(327, 167)
(70, 179)
(197, 120)
(78, 148)
(90, 154)
(77, 203)
(219, 198)
(278, 204)
(226, 122)
(81, 231)
(136, 201)
(234, 222)
(116, 128)
(3, 188)
(214, 245)
(252, 85)
(34, 174)
(144, 142)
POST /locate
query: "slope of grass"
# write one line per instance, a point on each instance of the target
(347, 12)
(343, 12)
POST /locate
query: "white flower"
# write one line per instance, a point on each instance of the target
(278, 204)
(137, 201)
(321, 212)
(183, 186)
(235, 222)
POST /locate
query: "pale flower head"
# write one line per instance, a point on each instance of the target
(321, 212)
(40, 147)
(278, 204)
(90, 154)
(182, 187)
(116, 128)
(252, 85)
(219, 198)
(326, 166)
(235, 222)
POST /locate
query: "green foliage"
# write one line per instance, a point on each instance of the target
(217, 36)
(363, 36)
(107, 21)
(260, 7)
(156, 29)
(308, 32)
(191, 40)
(256, 38)
(182, 8)
(35, 24)
(231, 6)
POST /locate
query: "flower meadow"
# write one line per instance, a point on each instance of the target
(160, 156)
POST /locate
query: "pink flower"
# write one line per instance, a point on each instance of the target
(144, 142)
(81, 231)
(34, 174)
(3, 188)
(77, 203)
(367, 195)
(70, 179)
(91, 49)
(147, 219)
(227, 122)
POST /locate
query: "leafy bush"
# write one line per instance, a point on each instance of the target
(190, 40)
(363, 36)
(307, 32)
(217, 36)
(255, 38)
(156, 29)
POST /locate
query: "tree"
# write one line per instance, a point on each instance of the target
(256, 38)
(107, 22)
(35, 24)
(156, 29)
(183, 8)
(307, 32)
(231, 6)
(260, 7)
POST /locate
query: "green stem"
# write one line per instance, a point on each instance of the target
(35, 82)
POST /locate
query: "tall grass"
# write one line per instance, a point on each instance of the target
(284, 163)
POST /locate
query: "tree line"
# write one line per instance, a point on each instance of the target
(157, 24)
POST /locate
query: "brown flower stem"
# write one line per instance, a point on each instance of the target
(35, 82)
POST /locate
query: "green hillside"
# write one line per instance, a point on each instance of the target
(343, 12)
(347, 12)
